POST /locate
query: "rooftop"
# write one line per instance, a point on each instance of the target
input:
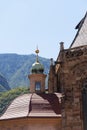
(81, 36)
(34, 105)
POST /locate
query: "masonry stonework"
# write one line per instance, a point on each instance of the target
(73, 75)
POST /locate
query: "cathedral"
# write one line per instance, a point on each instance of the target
(69, 75)
(64, 105)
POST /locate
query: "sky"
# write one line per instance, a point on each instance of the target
(24, 24)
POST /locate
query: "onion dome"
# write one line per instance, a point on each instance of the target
(37, 67)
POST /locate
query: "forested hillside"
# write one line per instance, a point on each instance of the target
(15, 68)
(4, 86)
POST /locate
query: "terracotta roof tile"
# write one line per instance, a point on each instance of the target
(18, 108)
(45, 105)
(34, 105)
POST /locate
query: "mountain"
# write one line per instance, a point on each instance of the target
(4, 86)
(15, 68)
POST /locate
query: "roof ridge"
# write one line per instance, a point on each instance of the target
(79, 26)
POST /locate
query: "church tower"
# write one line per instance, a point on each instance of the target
(37, 76)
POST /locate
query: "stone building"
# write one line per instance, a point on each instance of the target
(69, 76)
(42, 110)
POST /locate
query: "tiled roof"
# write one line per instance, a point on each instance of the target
(45, 105)
(81, 36)
(34, 105)
(18, 108)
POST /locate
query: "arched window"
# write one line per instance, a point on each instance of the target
(84, 104)
(38, 86)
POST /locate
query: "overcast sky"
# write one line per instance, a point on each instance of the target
(24, 24)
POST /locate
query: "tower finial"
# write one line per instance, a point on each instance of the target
(37, 52)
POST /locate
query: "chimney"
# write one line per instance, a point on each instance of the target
(51, 61)
(61, 46)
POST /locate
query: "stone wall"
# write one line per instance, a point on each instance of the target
(73, 72)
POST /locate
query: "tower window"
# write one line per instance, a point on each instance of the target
(38, 86)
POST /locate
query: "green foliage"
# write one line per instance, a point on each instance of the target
(7, 97)
(2, 88)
